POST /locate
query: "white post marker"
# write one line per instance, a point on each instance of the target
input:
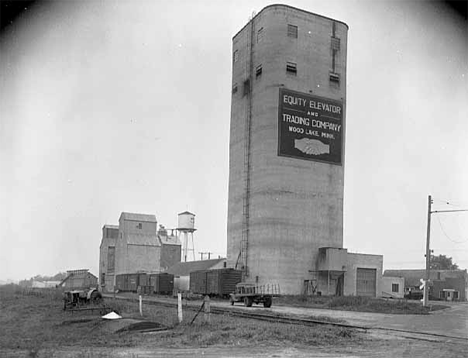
(423, 287)
(141, 307)
(179, 306)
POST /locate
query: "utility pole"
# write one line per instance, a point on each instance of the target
(428, 252)
(428, 242)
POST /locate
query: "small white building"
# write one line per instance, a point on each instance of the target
(339, 272)
(45, 284)
(393, 287)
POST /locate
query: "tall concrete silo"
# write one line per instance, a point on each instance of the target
(287, 132)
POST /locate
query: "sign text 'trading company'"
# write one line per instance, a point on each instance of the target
(310, 127)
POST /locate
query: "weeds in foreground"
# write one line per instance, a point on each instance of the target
(35, 322)
(226, 330)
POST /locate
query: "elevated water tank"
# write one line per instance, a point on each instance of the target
(186, 221)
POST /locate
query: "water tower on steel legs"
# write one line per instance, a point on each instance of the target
(186, 226)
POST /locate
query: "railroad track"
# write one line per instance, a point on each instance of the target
(277, 318)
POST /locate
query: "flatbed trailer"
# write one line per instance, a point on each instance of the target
(250, 293)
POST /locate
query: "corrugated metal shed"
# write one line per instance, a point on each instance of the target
(138, 217)
(184, 268)
(142, 240)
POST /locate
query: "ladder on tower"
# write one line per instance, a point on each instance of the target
(247, 159)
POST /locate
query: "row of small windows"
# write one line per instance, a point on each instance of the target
(291, 69)
(293, 33)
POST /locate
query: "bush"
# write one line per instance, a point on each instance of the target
(348, 301)
(355, 303)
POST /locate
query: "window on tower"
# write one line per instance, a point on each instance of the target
(292, 31)
(234, 88)
(258, 71)
(335, 43)
(260, 35)
(291, 68)
(334, 77)
(235, 56)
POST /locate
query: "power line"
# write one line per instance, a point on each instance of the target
(452, 203)
(441, 227)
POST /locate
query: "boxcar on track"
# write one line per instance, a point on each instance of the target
(220, 282)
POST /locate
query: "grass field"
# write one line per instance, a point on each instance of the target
(356, 303)
(34, 320)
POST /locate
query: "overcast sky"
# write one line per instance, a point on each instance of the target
(124, 106)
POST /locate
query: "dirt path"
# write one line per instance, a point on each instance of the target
(384, 347)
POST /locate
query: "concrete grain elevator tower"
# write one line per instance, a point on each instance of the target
(287, 134)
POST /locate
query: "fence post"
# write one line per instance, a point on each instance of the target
(141, 308)
(207, 309)
(179, 307)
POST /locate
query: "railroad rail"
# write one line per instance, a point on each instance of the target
(102, 309)
(277, 318)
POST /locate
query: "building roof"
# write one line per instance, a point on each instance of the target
(38, 284)
(81, 273)
(138, 217)
(77, 272)
(169, 240)
(278, 6)
(107, 226)
(186, 212)
(184, 268)
(362, 254)
(142, 240)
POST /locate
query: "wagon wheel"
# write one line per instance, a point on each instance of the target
(96, 297)
(267, 303)
(248, 301)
